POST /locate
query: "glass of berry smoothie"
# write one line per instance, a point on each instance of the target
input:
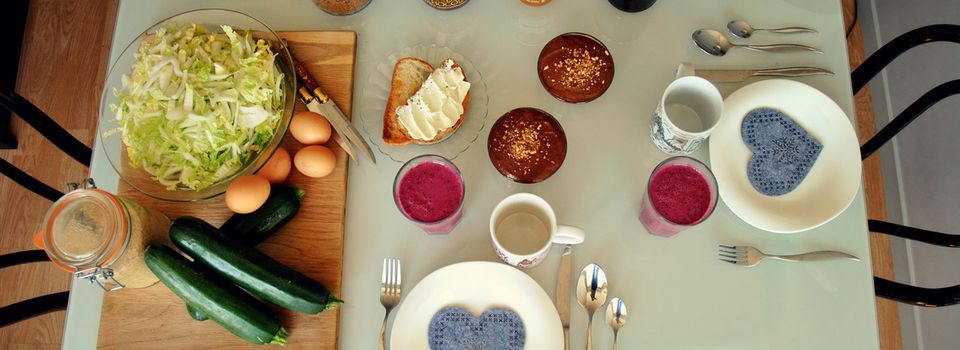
(681, 193)
(429, 191)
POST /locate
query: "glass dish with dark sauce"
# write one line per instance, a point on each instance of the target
(575, 67)
(527, 145)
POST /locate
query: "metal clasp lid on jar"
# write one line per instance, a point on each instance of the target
(102, 276)
(84, 232)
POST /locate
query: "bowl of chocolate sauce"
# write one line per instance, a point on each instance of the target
(575, 67)
(527, 145)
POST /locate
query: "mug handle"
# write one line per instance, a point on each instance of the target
(686, 70)
(568, 235)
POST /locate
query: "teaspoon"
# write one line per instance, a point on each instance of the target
(714, 43)
(591, 294)
(744, 30)
(616, 317)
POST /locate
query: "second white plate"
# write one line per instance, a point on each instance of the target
(832, 182)
(477, 286)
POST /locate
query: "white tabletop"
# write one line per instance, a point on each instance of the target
(679, 295)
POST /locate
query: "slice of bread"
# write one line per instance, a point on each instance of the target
(409, 74)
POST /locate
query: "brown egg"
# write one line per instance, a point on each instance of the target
(310, 128)
(277, 168)
(247, 193)
(315, 161)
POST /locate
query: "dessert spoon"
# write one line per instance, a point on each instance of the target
(591, 294)
(616, 317)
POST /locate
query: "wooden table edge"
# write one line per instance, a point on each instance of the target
(888, 318)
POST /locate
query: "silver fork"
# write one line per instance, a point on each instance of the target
(389, 293)
(750, 256)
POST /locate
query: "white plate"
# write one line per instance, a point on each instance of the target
(477, 286)
(833, 180)
(377, 90)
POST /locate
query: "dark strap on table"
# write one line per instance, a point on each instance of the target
(30, 308)
(913, 233)
(46, 126)
(930, 297)
(903, 43)
(26, 256)
(28, 182)
(12, 27)
(919, 296)
(906, 117)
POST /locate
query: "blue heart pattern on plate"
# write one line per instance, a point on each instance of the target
(783, 152)
(453, 328)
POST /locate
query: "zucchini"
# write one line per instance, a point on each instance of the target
(196, 314)
(223, 302)
(253, 228)
(250, 269)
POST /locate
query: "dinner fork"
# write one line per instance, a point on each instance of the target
(389, 293)
(750, 256)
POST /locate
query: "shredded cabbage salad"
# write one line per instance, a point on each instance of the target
(198, 105)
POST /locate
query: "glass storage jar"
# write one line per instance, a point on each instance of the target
(102, 237)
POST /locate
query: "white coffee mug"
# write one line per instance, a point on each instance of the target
(689, 110)
(523, 226)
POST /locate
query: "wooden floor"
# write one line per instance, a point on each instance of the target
(62, 66)
(65, 49)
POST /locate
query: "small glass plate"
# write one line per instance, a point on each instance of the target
(377, 89)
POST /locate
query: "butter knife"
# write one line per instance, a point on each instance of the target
(311, 102)
(563, 294)
(318, 101)
(736, 75)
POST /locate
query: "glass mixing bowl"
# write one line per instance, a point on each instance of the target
(211, 19)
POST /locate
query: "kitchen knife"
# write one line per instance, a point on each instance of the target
(311, 102)
(563, 294)
(317, 101)
(735, 75)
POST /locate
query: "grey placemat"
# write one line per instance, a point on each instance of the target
(454, 328)
(783, 151)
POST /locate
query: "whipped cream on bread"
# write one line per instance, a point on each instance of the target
(437, 105)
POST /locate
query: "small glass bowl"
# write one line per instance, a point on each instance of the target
(330, 6)
(440, 4)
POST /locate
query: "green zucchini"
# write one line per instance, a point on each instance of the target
(222, 301)
(250, 269)
(196, 314)
(253, 228)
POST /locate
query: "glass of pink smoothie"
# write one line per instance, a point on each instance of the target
(681, 193)
(429, 190)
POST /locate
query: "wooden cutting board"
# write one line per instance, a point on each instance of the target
(155, 318)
